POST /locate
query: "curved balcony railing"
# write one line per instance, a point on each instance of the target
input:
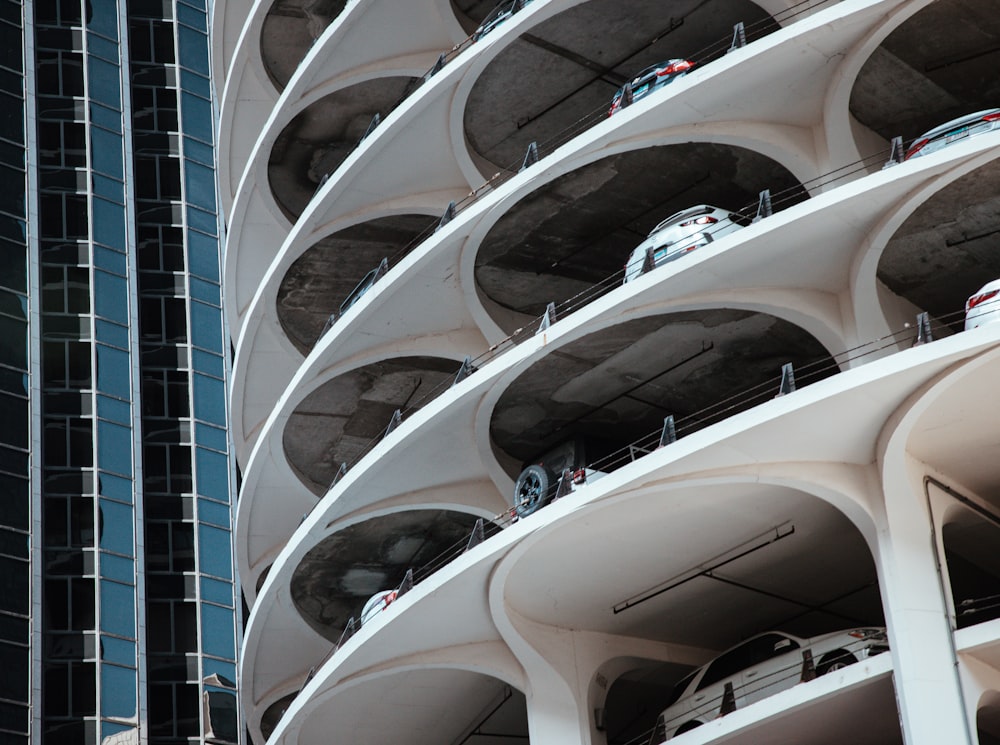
(742, 35)
(784, 383)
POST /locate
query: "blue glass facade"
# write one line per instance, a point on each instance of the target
(15, 418)
(113, 363)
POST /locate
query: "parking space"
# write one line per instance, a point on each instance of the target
(343, 418)
(290, 28)
(947, 249)
(312, 146)
(615, 386)
(323, 281)
(579, 229)
(332, 583)
(568, 68)
(707, 567)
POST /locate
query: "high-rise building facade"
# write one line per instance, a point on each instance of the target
(119, 617)
(601, 370)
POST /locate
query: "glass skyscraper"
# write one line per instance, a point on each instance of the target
(118, 621)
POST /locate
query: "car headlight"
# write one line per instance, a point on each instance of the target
(868, 634)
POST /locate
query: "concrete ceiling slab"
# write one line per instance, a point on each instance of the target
(947, 249)
(616, 386)
(290, 28)
(569, 67)
(579, 229)
(321, 137)
(424, 707)
(938, 65)
(818, 578)
(323, 277)
(340, 420)
(338, 575)
(958, 435)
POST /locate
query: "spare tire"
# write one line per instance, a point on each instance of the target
(532, 490)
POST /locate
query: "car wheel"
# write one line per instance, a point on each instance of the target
(836, 660)
(531, 490)
(688, 726)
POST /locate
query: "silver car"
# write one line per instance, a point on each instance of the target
(940, 137)
(679, 234)
(760, 667)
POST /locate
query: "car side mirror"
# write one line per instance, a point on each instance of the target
(782, 645)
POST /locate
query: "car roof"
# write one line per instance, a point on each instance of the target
(653, 68)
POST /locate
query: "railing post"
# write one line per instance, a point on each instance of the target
(465, 370)
(739, 37)
(648, 261)
(728, 701)
(447, 217)
(659, 733)
(328, 325)
(669, 433)
(627, 97)
(347, 633)
(764, 206)
(478, 535)
(548, 319)
(924, 334)
(376, 120)
(563, 487)
(787, 380)
(341, 472)
(896, 153)
(406, 585)
(808, 666)
(397, 417)
(530, 157)
(438, 66)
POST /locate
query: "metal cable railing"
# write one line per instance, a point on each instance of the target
(743, 34)
(762, 392)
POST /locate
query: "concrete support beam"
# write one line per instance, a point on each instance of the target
(931, 701)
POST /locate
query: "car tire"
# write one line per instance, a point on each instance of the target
(836, 660)
(688, 726)
(532, 490)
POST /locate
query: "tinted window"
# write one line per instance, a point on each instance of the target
(748, 654)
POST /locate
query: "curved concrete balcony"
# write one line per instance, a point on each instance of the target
(269, 340)
(280, 73)
(718, 490)
(835, 291)
(573, 624)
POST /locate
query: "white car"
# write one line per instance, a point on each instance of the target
(984, 306)
(376, 604)
(680, 233)
(760, 667)
(969, 125)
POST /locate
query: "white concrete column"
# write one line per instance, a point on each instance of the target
(557, 707)
(928, 688)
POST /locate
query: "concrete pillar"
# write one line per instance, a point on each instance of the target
(928, 688)
(557, 713)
